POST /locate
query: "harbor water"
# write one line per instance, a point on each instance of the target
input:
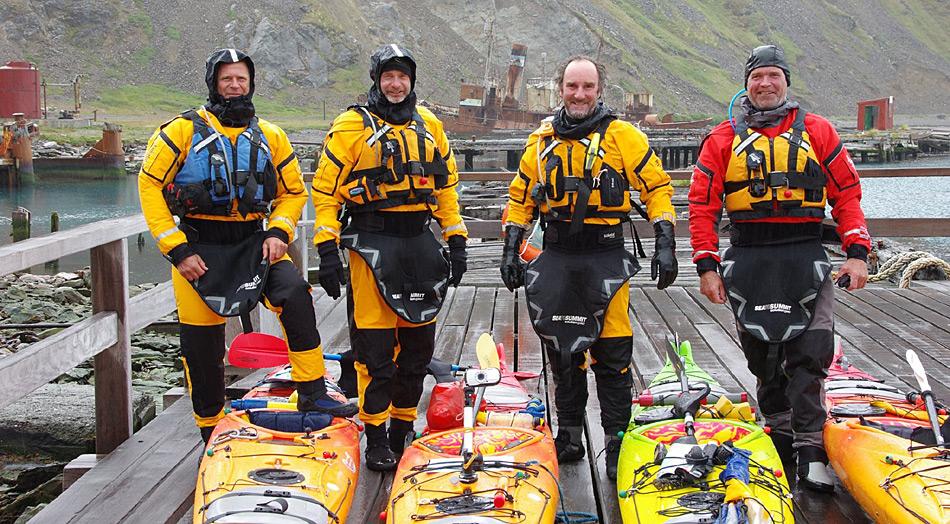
(80, 202)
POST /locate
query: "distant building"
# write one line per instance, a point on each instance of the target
(876, 114)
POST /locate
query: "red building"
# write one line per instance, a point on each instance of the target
(876, 114)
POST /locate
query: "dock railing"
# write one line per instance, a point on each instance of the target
(105, 335)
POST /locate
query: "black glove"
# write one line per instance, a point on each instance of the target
(512, 268)
(664, 263)
(331, 268)
(457, 259)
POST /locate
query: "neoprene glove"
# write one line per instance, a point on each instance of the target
(664, 263)
(457, 259)
(331, 268)
(512, 268)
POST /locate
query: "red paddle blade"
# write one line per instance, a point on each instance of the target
(257, 350)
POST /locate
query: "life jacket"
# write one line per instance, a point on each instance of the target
(774, 177)
(224, 171)
(394, 167)
(576, 183)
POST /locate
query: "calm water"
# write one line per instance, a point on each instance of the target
(81, 202)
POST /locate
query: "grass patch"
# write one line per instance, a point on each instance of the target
(142, 57)
(145, 99)
(925, 19)
(143, 22)
(173, 33)
(350, 80)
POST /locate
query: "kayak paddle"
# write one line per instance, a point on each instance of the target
(258, 350)
(926, 393)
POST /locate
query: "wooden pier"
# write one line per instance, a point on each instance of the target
(149, 476)
(153, 473)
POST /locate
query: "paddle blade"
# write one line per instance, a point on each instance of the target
(257, 350)
(487, 352)
(918, 370)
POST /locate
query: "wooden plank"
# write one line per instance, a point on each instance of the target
(151, 305)
(113, 366)
(908, 337)
(678, 323)
(604, 489)
(888, 349)
(112, 489)
(915, 296)
(937, 291)
(646, 361)
(461, 307)
(894, 303)
(27, 253)
(479, 322)
(30, 368)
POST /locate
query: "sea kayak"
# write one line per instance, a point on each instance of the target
(506, 472)
(268, 463)
(685, 461)
(880, 444)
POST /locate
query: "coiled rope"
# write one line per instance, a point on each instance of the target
(910, 263)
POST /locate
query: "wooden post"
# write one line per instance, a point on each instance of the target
(113, 366)
(512, 160)
(21, 224)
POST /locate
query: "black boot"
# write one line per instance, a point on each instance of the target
(813, 470)
(786, 452)
(378, 455)
(401, 434)
(312, 396)
(612, 455)
(569, 444)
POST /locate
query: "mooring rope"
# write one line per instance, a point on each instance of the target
(910, 263)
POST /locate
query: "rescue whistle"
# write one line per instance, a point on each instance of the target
(592, 150)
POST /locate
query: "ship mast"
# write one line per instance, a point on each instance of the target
(488, 81)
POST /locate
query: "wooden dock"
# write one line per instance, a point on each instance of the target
(151, 473)
(149, 476)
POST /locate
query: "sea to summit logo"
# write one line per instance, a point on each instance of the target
(569, 319)
(250, 286)
(774, 308)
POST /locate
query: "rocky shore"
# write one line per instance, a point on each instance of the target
(56, 423)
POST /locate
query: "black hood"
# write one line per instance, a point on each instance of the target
(392, 56)
(764, 56)
(234, 112)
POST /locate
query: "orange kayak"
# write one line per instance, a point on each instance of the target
(514, 468)
(870, 439)
(272, 464)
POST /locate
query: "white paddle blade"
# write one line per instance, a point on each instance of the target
(918, 370)
(487, 352)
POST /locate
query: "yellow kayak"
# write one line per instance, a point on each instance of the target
(881, 447)
(497, 465)
(273, 464)
(685, 462)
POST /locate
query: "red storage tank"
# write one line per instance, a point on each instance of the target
(20, 90)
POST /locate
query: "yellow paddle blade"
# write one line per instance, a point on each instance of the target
(487, 352)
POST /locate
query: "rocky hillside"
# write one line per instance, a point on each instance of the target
(689, 53)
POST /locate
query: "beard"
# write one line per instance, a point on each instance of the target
(395, 99)
(582, 114)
